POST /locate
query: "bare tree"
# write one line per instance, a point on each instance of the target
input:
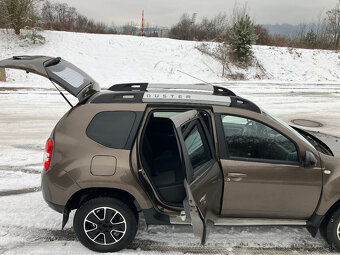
(264, 37)
(212, 29)
(18, 13)
(59, 16)
(333, 25)
(184, 29)
(3, 20)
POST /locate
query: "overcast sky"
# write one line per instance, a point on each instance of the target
(166, 13)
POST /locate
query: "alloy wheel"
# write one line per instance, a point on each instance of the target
(105, 226)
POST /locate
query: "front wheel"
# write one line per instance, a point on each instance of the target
(333, 231)
(105, 224)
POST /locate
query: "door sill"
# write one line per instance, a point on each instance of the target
(258, 222)
(177, 220)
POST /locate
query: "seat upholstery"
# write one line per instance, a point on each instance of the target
(161, 160)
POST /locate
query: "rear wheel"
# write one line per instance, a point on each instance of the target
(105, 224)
(333, 231)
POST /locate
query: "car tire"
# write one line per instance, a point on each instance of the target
(333, 231)
(323, 229)
(105, 224)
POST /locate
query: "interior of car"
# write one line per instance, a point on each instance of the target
(247, 138)
(161, 158)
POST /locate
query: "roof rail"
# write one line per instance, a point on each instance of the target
(220, 91)
(215, 90)
(239, 102)
(233, 100)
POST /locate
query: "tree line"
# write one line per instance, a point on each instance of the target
(322, 34)
(49, 15)
(19, 14)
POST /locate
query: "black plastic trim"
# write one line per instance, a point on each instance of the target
(220, 91)
(119, 97)
(152, 217)
(55, 207)
(309, 133)
(134, 130)
(314, 223)
(239, 102)
(129, 86)
(222, 147)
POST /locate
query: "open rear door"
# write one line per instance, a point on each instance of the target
(204, 177)
(62, 72)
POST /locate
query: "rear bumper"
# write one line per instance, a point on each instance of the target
(55, 207)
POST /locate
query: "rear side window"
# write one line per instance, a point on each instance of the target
(111, 129)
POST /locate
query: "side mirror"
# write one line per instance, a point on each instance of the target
(310, 160)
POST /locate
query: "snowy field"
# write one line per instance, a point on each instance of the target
(111, 59)
(29, 111)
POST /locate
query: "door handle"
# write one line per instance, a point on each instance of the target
(213, 179)
(236, 176)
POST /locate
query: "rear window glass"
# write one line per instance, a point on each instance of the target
(68, 76)
(111, 129)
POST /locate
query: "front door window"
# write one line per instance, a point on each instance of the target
(252, 140)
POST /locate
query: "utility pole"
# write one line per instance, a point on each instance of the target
(142, 22)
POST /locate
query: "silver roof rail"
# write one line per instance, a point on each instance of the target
(202, 88)
(184, 97)
(175, 93)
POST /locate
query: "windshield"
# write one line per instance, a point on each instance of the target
(286, 126)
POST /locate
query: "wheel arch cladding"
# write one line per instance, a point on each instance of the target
(84, 195)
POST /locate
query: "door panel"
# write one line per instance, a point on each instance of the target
(270, 190)
(206, 190)
(263, 170)
(204, 178)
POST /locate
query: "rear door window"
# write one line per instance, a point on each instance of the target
(198, 149)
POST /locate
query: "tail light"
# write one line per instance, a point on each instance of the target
(48, 153)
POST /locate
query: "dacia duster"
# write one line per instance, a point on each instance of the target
(178, 154)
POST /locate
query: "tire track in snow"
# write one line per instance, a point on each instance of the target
(19, 191)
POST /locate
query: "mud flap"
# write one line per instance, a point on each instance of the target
(191, 210)
(314, 223)
(66, 215)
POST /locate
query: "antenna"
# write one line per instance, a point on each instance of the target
(195, 77)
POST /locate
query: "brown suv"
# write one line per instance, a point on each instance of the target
(180, 155)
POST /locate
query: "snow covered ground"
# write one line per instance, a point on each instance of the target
(30, 107)
(114, 59)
